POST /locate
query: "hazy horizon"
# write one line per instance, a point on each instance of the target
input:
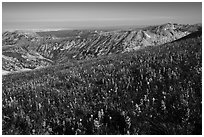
(53, 15)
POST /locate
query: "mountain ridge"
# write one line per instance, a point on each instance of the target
(32, 50)
(153, 90)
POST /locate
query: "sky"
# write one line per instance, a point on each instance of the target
(67, 15)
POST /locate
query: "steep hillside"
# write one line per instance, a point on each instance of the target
(26, 50)
(154, 90)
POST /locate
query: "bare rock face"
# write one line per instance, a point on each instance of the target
(26, 50)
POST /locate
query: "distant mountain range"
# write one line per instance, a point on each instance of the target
(28, 50)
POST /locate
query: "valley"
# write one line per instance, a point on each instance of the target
(30, 50)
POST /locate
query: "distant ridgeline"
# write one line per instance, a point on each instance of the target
(24, 50)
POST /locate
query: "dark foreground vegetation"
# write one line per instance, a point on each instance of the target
(156, 90)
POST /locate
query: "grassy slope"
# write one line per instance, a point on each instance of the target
(156, 90)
